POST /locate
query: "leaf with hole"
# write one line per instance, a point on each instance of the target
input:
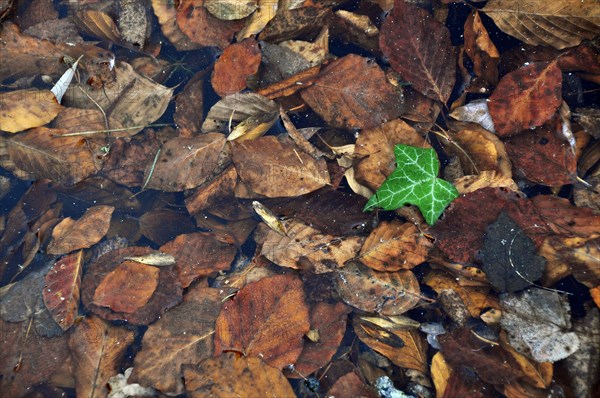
(415, 182)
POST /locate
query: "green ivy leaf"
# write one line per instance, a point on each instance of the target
(415, 182)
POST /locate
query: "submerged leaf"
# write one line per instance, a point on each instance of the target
(415, 182)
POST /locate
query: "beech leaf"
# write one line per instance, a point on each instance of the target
(415, 182)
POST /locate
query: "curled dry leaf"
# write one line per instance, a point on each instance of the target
(275, 169)
(387, 293)
(374, 151)
(62, 287)
(184, 335)
(70, 235)
(267, 318)
(127, 288)
(560, 24)
(406, 348)
(167, 294)
(185, 163)
(526, 98)
(237, 63)
(24, 109)
(231, 374)
(353, 92)
(97, 348)
(304, 247)
(201, 27)
(199, 254)
(419, 49)
(393, 246)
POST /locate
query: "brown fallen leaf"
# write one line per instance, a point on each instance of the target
(185, 163)
(167, 294)
(194, 20)
(163, 225)
(481, 49)
(61, 289)
(186, 117)
(406, 348)
(46, 153)
(419, 49)
(290, 24)
(267, 318)
(387, 293)
(375, 151)
(199, 254)
(184, 335)
(70, 235)
(352, 385)
(526, 98)
(307, 248)
(212, 192)
(258, 20)
(275, 169)
(237, 63)
(440, 374)
(127, 288)
(353, 92)
(24, 109)
(485, 179)
(97, 348)
(231, 374)
(393, 246)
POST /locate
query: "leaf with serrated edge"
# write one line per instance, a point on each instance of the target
(415, 182)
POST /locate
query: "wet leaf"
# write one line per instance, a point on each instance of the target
(538, 324)
(509, 257)
(526, 98)
(127, 288)
(486, 179)
(476, 111)
(259, 19)
(275, 169)
(375, 151)
(97, 348)
(70, 235)
(199, 255)
(212, 191)
(163, 225)
(24, 109)
(201, 27)
(492, 364)
(185, 163)
(559, 24)
(231, 374)
(188, 119)
(305, 247)
(237, 63)
(167, 293)
(36, 358)
(267, 318)
(184, 335)
(406, 348)
(393, 246)
(353, 92)
(290, 24)
(61, 291)
(415, 182)
(480, 48)
(419, 49)
(329, 320)
(133, 22)
(387, 293)
(99, 24)
(166, 13)
(158, 259)
(543, 156)
(236, 108)
(230, 9)
(583, 365)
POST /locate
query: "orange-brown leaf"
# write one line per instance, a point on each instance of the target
(238, 62)
(61, 289)
(24, 109)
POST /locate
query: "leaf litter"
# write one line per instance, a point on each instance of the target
(199, 185)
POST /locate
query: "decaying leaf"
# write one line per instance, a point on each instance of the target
(297, 22)
(259, 19)
(70, 235)
(267, 318)
(230, 9)
(230, 374)
(273, 168)
(583, 365)
(352, 92)
(97, 348)
(304, 247)
(526, 98)
(509, 257)
(236, 108)
(166, 13)
(559, 24)
(61, 289)
(393, 246)
(178, 338)
(157, 259)
(24, 109)
(419, 49)
(237, 63)
(201, 27)
(538, 324)
(481, 49)
(387, 293)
